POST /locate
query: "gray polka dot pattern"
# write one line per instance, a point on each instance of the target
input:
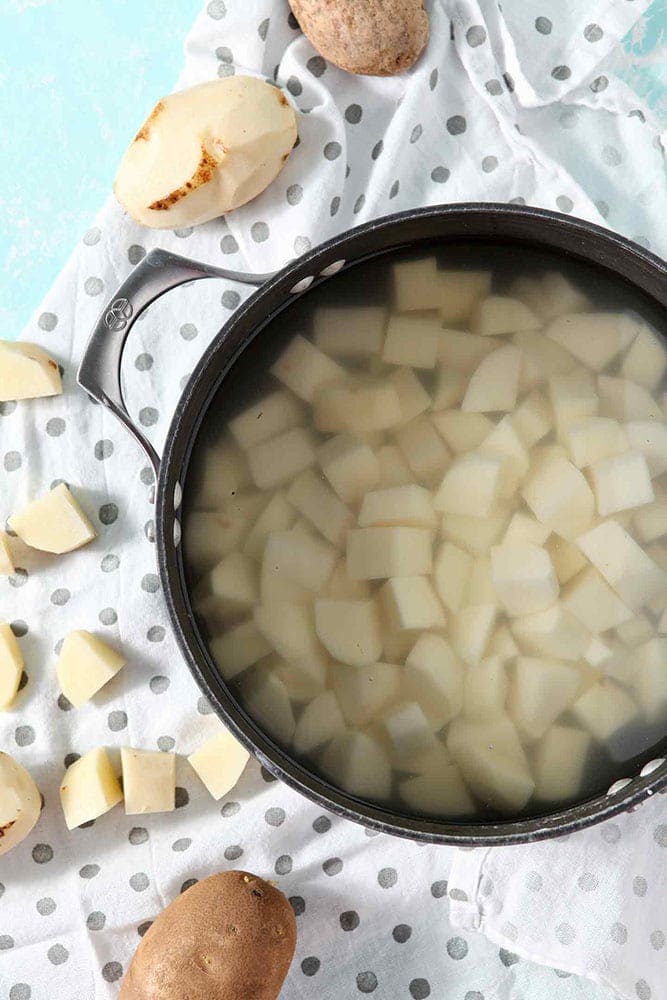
(112, 971)
(57, 954)
(117, 720)
(543, 25)
(367, 982)
(47, 321)
(93, 286)
(139, 882)
(45, 906)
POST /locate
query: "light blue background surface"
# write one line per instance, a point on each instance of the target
(78, 76)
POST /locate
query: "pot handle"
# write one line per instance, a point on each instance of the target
(99, 370)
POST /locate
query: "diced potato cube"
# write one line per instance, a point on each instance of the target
(290, 630)
(573, 398)
(413, 398)
(313, 498)
(649, 437)
(411, 602)
(485, 690)
(554, 632)
(265, 698)
(434, 678)
(462, 431)
(550, 296)
(627, 401)
(271, 416)
(480, 585)
(342, 587)
(238, 648)
(303, 558)
(593, 338)
(533, 418)
(662, 624)
(411, 341)
(303, 680)
(650, 680)
(211, 535)
(27, 372)
(275, 462)
(547, 358)
(11, 665)
(400, 505)
(423, 449)
(305, 370)
(474, 534)
(221, 473)
(498, 315)
(462, 352)
(377, 553)
(559, 763)
(320, 722)
(85, 664)
(593, 439)
(523, 577)
(541, 691)
(350, 466)
(470, 485)
(451, 574)
(278, 515)
(459, 292)
(635, 632)
(441, 793)
(504, 442)
(219, 762)
(604, 709)
(416, 285)
(623, 563)
(360, 407)
(349, 332)
(365, 692)
(597, 652)
(6, 561)
(408, 730)
(331, 405)
(229, 591)
(471, 630)
(450, 389)
(590, 599)
(556, 491)
(53, 523)
(358, 764)
(432, 761)
(502, 644)
(89, 788)
(494, 384)
(396, 644)
(149, 781)
(650, 521)
(394, 470)
(524, 528)
(646, 361)
(349, 630)
(492, 762)
(567, 559)
(621, 482)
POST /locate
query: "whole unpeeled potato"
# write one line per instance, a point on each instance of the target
(20, 803)
(204, 151)
(371, 37)
(228, 937)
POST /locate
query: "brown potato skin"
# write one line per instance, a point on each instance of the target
(228, 937)
(368, 37)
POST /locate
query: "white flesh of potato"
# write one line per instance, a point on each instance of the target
(485, 690)
(350, 466)
(595, 339)
(635, 632)
(238, 648)
(504, 443)
(209, 535)
(559, 762)
(305, 370)
(541, 691)
(498, 315)
(416, 285)
(463, 352)
(314, 498)
(410, 505)
(349, 630)
(450, 389)
(650, 521)
(459, 292)
(441, 793)
(149, 781)
(621, 483)
(474, 534)
(410, 602)
(268, 703)
(20, 803)
(357, 763)
(590, 599)
(649, 437)
(11, 665)
(274, 463)
(604, 709)
(492, 763)
(230, 590)
(431, 761)
(290, 630)
(350, 332)
(223, 472)
(558, 494)
(6, 560)
(470, 485)
(650, 680)
(550, 296)
(413, 398)
(480, 585)
(471, 630)
(358, 406)
(219, 762)
(533, 418)
(523, 577)
(623, 563)
(304, 679)
(377, 553)
(462, 431)
(320, 722)
(451, 573)
(434, 678)
(89, 788)
(567, 559)
(394, 470)
(85, 664)
(595, 438)
(273, 415)
(423, 449)
(303, 558)
(411, 341)
(342, 587)
(597, 652)
(524, 528)
(573, 398)
(646, 361)
(204, 151)
(554, 632)
(408, 730)
(627, 401)
(27, 372)
(502, 644)
(278, 515)
(53, 523)
(365, 692)
(494, 384)
(547, 357)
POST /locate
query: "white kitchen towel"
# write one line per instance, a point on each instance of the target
(513, 105)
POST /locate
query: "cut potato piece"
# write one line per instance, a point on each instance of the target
(593, 338)
(650, 521)
(559, 763)
(504, 443)
(313, 498)
(278, 515)
(459, 293)
(431, 761)
(53, 523)
(20, 803)
(267, 701)
(410, 602)
(423, 449)
(219, 762)
(149, 781)
(567, 559)
(320, 722)
(408, 730)
(533, 418)
(498, 315)
(485, 690)
(451, 574)
(474, 534)
(394, 470)
(416, 285)
(274, 463)
(350, 466)
(434, 678)
(635, 632)
(557, 493)
(573, 399)
(480, 585)
(290, 630)
(471, 630)
(27, 372)
(6, 562)
(541, 691)
(441, 793)
(360, 407)
(550, 296)
(646, 361)
(349, 630)
(85, 664)
(494, 384)
(590, 599)
(209, 535)
(271, 416)
(11, 665)
(626, 401)
(365, 692)
(554, 632)
(411, 506)
(376, 553)
(621, 483)
(305, 370)
(304, 680)
(229, 591)
(594, 439)
(502, 644)
(604, 709)
(396, 644)
(238, 649)
(462, 352)
(650, 438)
(413, 398)
(462, 431)
(624, 564)
(222, 473)
(650, 680)
(523, 577)
(547, 358)
(470, 485)
(89, 788)
(524, 528)
(450, 389)
(358, 764)
(303, 558)
(350, 332)
(492, 763)
(597, 652)
(411, 341)
(342, 587)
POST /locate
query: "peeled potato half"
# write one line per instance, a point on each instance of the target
(204, 151)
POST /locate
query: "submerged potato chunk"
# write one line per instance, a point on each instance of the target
(441, 793)
(411, 341)
(408, 730)
(268, 703)
(350, 331)
(85, 664)
(604, 709)
(541, 691)
(451, 574)
(319, 723)
(416, 285)
(623, 563)
(494, 384)
(349, 630)
(53, 523)
(492, 763)
(365, 692)
(523, 577)
(595, 339)
(470, 485)
(89, 788)
(377, 553)
(27, 372)
(559, 763)
(498, 315)
(357, 762)
(350, 466)
(411, 506)
(621, 483)
(274, 463)
(434, 678)
(459, 292)
(305, 370)
(272, 415)
(423, 449)
(219, 762)
(238, 648)
(410, 602)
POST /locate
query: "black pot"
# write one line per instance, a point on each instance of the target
(99, 375)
